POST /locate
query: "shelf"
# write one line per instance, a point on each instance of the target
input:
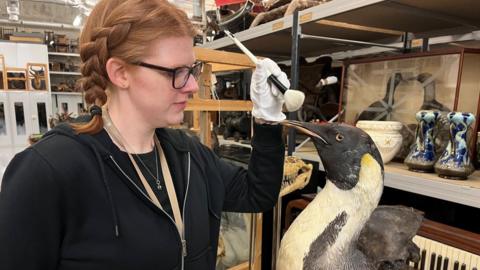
(222, 141)
(429, 184)
(380, 21)
(218, 105)
(64, 54)
(65, 73)
(68, 93)
(22, 91)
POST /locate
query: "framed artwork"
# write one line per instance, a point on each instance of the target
(16, 78)
(37, 77)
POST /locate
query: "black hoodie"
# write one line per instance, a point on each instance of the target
(74, 202)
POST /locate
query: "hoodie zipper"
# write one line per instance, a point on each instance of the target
(184, 242)
(180, 234)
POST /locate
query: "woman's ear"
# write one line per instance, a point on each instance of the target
(117, 72)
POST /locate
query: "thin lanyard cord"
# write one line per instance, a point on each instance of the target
(172, 195)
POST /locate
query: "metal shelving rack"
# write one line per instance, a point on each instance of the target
(345, 28)
(378, 22)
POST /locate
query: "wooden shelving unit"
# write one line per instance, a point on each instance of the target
(203, 106)
(202, 103)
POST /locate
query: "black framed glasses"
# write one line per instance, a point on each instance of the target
(180, 75)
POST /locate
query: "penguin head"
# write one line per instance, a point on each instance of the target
(341, 148)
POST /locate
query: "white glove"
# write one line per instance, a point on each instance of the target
(267, 99)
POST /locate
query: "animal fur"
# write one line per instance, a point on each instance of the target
(386, 239)
(287, 9)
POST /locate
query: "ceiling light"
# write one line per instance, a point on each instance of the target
(77, 22)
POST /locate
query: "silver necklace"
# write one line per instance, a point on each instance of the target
(157, 179)
(123, 144)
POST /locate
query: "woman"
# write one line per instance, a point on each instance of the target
(123, 191)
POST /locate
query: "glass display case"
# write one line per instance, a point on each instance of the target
(395, 88)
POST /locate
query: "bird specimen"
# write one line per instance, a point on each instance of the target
(325, 235)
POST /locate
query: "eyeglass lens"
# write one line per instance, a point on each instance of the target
(182, 75)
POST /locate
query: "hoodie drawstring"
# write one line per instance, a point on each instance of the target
(109, 194)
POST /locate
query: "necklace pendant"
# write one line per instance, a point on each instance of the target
(159, 186)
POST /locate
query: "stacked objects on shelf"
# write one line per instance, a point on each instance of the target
(61, 43)
(64, 70)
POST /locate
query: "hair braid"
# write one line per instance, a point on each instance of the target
(95, 55)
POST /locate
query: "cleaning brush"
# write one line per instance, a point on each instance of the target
(293, 98)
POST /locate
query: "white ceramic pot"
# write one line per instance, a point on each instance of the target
(386, 135)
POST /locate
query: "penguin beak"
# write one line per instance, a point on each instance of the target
(303, 127)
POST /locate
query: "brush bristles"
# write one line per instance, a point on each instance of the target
(293, 100)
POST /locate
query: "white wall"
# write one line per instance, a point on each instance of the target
(14, 138)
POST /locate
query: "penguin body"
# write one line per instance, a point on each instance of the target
(324, 235)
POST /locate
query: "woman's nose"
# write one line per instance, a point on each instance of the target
(191, 86)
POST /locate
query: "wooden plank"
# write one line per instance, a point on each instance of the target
(26, 39)
(451, 236)
(225, 67)
(205, 82)
(4, 72)
(207, 130)
(242, 266)
(196, 121)
(219, 105)
(222, 57)
(360, 27)
(257, 258)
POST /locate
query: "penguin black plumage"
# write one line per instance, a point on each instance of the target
(325, 234)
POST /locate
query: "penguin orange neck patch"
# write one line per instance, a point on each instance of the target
(368, 160)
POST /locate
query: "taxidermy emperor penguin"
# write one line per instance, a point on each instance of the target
(324, 236)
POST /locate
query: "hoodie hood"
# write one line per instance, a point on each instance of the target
(100, 153)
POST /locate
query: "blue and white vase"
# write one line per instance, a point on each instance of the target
(455, 162)
(421, 157)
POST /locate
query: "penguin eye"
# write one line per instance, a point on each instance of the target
(339, 137)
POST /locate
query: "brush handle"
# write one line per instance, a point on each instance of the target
(242, 47)
(274, 80)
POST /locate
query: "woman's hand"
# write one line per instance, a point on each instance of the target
(267, 99)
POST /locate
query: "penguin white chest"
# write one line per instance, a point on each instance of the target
(324, 230)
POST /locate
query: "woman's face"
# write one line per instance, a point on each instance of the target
(151, 90)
